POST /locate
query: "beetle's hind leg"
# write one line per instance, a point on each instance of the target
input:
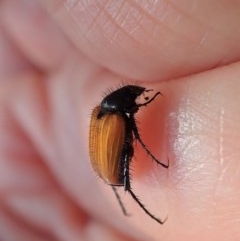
(120, 201)
(136, 199)
(127, 188)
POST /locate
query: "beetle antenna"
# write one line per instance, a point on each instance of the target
(149, 101)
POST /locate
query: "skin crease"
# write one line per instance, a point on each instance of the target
(58, 57)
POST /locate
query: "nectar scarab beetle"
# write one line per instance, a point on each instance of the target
(112, 132)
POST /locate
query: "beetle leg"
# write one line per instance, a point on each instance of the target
(137, 136)
(144, 209)
(120, 201)
(127, 188)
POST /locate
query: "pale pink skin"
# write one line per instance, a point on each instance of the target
(58, 57)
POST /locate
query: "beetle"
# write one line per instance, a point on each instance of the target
(112, 132)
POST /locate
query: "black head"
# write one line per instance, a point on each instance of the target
(121, 101)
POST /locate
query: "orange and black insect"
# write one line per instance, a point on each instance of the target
(112, 132)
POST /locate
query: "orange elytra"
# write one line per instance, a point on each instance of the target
(112, 132)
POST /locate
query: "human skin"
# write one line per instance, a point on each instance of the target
(57, 59)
